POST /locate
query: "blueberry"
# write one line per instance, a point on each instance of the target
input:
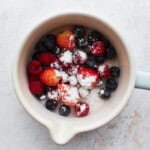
(105, 93)
(110, 52)
(94, 36)
(79, 31)
(51, 104)
(111, 84)
(92, 63)
(87, 49)
(36, 55)
(46, 43)
(115, 71)
(64, 110)
(80, 42)
(100, 59)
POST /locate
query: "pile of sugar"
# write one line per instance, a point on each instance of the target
(66, 57)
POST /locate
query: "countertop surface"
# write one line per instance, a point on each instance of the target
(130, 130)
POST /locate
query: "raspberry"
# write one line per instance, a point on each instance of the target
(34, 67)
(104, 71)
(98, 48)
(47, 58)
(33, 78)
(79, 57)
(81, 109)
(36, 87)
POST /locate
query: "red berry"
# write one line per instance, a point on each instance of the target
(34, 67)
(79, 57)
(65, 59)
(50, 77)
(66, 40)
(36, 87)
(47, 58)
(87, 77)
(81, 109)
(104, 71)
(98, 48)
(33, 78)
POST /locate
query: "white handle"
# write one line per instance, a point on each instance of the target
(142, 80)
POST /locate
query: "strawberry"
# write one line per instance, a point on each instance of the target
(68, 94)
(87, 77)
(50, 77)
(66, 40)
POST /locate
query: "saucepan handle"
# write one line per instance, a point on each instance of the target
(142, 80)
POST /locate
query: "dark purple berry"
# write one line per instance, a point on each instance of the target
(115, 71)
(111, 84)
(64, 110)
(105, 93)
(100, 59)
(79, 31)
(36, 55)
(92, 63)
(94, 36)
(110, 52)
(51, 104)
(80, 42)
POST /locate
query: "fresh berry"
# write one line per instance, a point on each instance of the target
(81, 109)
(65, 59)
(87, 77)
(47, 58)
(64, 76)
(33, 77)
(98, 48)
(103, 71)
(105, 93)
(94, 36)
(56, 64)
(53, 94)
(79, 57)
(110, 52)
(68, 94)
(87, 49)
(64, 110)
(46, 43)
(100, 59)
(50, 77)
(36, 55)
(34, 67)
(79, 31)
(36, 87)
(42, 97)
(80, 42)
(66, 40)
(83, 92)
(115, 71)
(72, 80)
(111, 84)
(91, 63)
(51, 104)
(72, 70)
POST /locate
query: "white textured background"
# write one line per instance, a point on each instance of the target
(130, 130)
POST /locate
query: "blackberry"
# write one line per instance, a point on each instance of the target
(111, 84)
(87, 49)
(36, 55)
(80, 42)
(110, 52)
(79, 31)
(115, 71)
(100, 59)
